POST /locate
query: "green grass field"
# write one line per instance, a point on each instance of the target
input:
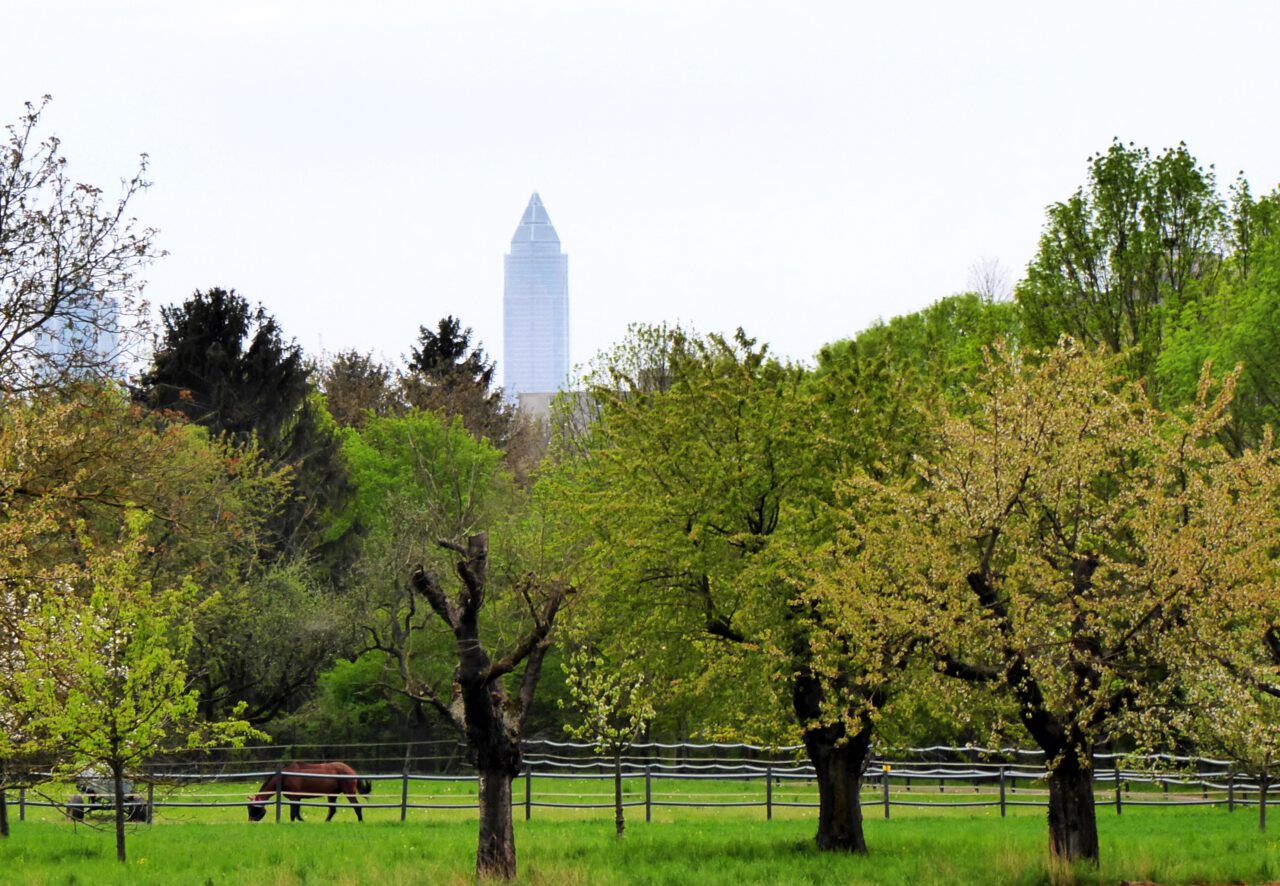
(734, 846)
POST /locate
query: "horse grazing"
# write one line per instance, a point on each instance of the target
(298, 781)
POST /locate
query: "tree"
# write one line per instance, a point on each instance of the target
(226, 367)
(1120, 256)
(423, 476)
(446, 374)
(615, 709)
(70, 261)
(701, 491)
(356, 386)
(105, 679)
(1056, 546)
(480, 707)
(1235, 324)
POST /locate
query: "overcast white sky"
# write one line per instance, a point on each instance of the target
(799, 169)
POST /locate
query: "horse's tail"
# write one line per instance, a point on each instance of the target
(363, 785)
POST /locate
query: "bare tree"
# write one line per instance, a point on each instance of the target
(990, 279)
(70, 294)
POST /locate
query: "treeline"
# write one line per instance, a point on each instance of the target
(1050, 519)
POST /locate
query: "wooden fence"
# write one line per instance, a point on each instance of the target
(559, 775)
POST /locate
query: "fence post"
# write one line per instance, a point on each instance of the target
(22, 804)
(884, 777)
(279, 785)
(1002, 803)
(1231, 791)
(404, 781)
(648, 792)
(1118, 801)
(151, 802)
(1263, 784)
(528, 792)
(768, 793)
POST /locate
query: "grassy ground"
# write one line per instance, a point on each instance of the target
(729, 846)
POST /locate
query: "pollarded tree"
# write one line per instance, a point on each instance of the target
(425, 482)
(70, 260)
(1056, 546)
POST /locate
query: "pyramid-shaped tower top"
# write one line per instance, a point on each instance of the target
(535, 226)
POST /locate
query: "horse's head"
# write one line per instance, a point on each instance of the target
(364, 786)
(257, 809)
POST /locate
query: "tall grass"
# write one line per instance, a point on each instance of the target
(733, 848)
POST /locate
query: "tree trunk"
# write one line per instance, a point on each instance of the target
(1073, 824)
(617, 792)
(117, 775)
(496, 855)
(839, 773)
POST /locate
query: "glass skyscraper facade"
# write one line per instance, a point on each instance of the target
(535, 308)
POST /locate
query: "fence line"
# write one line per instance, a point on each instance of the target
(770, 778)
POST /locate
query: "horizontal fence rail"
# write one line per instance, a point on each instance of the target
(560, 775)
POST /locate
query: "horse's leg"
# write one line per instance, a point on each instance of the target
(295, 810)
(354, 800)
(333, 807)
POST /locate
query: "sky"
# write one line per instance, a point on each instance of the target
(799, 169)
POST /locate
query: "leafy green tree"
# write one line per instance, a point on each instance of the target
(701, 492)
(614, 707)
(70, 260)
(1236, 324)
(1125, 252)
(1056, 546)
(917, 358)
(105, 678)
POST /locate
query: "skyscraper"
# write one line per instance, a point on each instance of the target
(535, 309)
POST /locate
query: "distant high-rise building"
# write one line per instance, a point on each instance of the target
(535, 310)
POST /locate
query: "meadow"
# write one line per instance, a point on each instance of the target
(214, 845)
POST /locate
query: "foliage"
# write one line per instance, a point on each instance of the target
(1235, 325)
(351, 705)
(702, 493)
(938, 349)
(1125, 253)
(105, 679)
(269, 639)
(86, 457)
(614, 707)
(1060, 541)
(356, 386)
(226, 367)
(70, 261)
(446, 374)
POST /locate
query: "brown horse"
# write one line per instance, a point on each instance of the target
(299, 781)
